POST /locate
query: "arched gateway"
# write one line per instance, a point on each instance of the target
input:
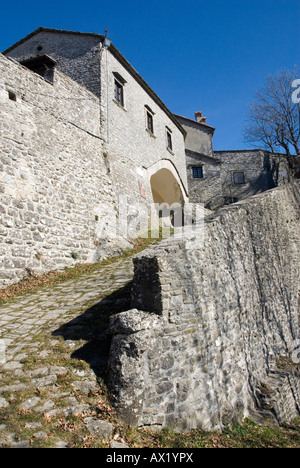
(168, 192)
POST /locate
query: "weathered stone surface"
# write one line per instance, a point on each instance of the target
(62, 444)
(12, 365)
(117, 445)
(86, 386)
(44, 381)
(46, 407)
(212, 353)
(51, 306)
(51, 189)
(30, 403)
(21, 444)
(261, 169)
(40, 435)
(99, 428)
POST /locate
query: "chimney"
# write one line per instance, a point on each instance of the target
(199, 118)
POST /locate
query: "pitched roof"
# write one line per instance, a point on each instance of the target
(204, 126)
(118, 56)
(42, 29)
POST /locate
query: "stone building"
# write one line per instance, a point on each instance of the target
(218, 178)
(88, 148)
(83, 139)
(86, 144)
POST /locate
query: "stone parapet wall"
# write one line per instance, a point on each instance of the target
(215, 322)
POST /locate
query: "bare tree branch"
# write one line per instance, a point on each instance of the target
(274, 119)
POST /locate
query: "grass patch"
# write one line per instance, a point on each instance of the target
(245, 435)
(71, 428)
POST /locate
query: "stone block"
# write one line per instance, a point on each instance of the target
(99, 428)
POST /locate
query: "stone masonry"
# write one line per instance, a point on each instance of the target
(215, 321)
(130, 150)
(53, 174)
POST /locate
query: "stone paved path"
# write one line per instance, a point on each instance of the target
(53, 347)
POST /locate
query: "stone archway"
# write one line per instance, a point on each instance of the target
(166, 173)
(168, 197)
(165, 188)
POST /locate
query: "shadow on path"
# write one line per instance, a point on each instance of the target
(93, 327)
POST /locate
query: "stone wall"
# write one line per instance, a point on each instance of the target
(262, 171)
(53, 175)
(215, 322)
(206, 190)
(132, 155)
(199, 153)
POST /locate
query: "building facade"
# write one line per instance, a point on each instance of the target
(88, 149)
(86, 143)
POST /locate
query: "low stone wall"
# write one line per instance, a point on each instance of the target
(212, 337)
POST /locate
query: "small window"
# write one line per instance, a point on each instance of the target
(119, 93)
(238, 178)
(119, 88)
(197, 172)
(169, 140)
(150, 126)
(43, 65)
(12, 96)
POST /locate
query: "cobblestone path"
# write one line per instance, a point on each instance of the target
(53, 350)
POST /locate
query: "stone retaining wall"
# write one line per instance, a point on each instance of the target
(212, 334)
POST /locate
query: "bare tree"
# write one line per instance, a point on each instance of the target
(274, 119)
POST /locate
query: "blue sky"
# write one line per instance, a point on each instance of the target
(196, 55)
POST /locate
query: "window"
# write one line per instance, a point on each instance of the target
(149, 120)
(119, 89)
(12, 96)
(197, 172)
(169, 139)
(43, 65)
(238, 178)
(119, 93)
